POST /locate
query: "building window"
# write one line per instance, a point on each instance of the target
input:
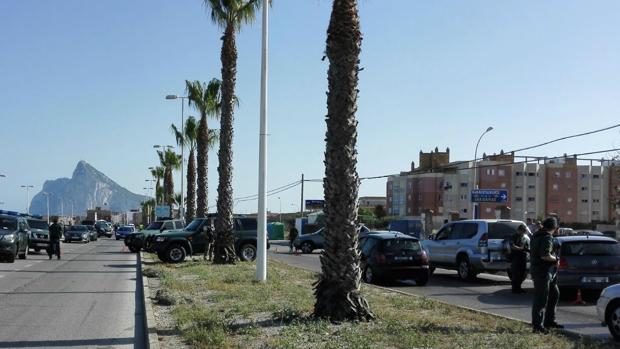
(595, 176)
(569, 212)
(464, 185)
(595, 213)
(596, 200)
(569, 199)
(555, 187)
(518, 173)
(584, 188)
(557, 174)
(503, 185)
(488, 210)
(464, 210)
(531, 199)
(568, 174)
(409, 211)
(531, 174)
(409, 196)
(584, 175)
(518, 199)
(501, 172)
(531, 186)
(584, 200)
(518, 186)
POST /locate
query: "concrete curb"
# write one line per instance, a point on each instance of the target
(149, 315)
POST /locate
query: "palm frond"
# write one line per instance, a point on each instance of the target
(178, 135)
(191, 131)
(214, 138)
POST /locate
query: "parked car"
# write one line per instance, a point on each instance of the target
(588, 263)
(174, 246)
(315, 241)
(124, 231)
(144, 238)
(610, 234)
(393, 255)
(77, 233)
(103, 228)
(589, 232)
(566, 232)
(14, 236)
(471, 246)
(39, 234)
(92, 233)
(608, 309)
(411, 227)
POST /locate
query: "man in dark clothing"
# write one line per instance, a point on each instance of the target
(210, 239)
(55, 235)
(292, 235)
(544, 263)
(519, 247)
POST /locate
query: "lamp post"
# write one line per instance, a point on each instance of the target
(27, 186)
(489, 129)
(183, 98)
(47, 197)
(280, 201)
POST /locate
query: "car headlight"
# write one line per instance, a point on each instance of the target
(160, 238)
(85, 235)
(7, 237)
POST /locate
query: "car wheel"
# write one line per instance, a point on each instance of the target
(247, 252)
(162, 257)
(175, 253)
(422, 280)
(568, 294)
(431, 270)
(307, 247)
(37, 250)
(465, 270)
(10, 259)
(133, 249)
(612, 318)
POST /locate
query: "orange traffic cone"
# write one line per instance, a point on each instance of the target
(578, 300)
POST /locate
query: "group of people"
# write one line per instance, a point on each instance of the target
(544, 263)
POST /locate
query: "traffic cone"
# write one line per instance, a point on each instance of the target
(578, 300)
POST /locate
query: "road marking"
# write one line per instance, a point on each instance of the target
(1, 276)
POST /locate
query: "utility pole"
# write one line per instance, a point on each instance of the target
(301, 205)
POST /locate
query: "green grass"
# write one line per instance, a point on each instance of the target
(228, 309)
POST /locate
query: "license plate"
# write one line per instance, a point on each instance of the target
(402, 258)
(594, 279)
(41, 245)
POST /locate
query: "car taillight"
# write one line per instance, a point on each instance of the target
(563, 264)
(424, 258)
(484, 240)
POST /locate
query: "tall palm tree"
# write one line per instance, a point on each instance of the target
(206, 99)
(158, 174)
(337, 289)
(229, 15)
(188, 138)
(170, 161)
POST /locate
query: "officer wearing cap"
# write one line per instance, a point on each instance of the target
(543, 267)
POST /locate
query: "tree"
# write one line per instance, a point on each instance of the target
(158, 174)
(188, 138)
(170, 161)
(337, 289)
(206, 99)
(380, 212)
(229, 15)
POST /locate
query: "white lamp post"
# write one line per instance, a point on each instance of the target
(47, 197)
(28, 186)
(489, 129)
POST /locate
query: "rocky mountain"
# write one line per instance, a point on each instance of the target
(86, 189)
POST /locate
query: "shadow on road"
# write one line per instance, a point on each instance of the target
(68, 343)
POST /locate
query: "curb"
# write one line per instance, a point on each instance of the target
(150, 328)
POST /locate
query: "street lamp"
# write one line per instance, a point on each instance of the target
(489, 129)
(280, 200)
(27, 186)
(47, 197)
(183, 98)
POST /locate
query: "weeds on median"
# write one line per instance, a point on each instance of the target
(223, 307)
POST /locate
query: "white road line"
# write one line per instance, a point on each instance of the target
(1, 276)
(27, 265)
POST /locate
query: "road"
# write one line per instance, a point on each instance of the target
(490, 293)
(88, 299)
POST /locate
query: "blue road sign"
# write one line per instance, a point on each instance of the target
(489, 195)
(315, 204)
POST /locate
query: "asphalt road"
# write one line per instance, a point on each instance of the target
(490, 293)
(90, 298)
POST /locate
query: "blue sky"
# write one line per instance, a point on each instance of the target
(86, 80)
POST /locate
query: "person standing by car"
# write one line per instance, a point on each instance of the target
(544, 263)
(519, 247)
(210, 239)
(55, 235)
(292, 235)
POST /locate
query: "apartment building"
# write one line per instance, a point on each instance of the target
(536, 187)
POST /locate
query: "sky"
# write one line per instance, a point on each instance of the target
(86, 80)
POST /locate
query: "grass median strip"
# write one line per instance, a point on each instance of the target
(221, 306)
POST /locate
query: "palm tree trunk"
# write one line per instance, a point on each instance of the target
(203, 150)
(337, 289)
(190, 213)
(224, 243)
(169, 188)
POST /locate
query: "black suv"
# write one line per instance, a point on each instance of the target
(393, 255)
(14, 233)
(39, 234)
(174, 246)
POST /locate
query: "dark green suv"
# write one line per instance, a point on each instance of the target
(14, 234)
(174, 246)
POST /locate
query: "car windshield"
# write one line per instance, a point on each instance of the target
(503, 230)
(155, 225)
(193, 226)
(125, 229)
(591, 248)
(35, 224)
(78, 228)
(399, 245)
(8, 224)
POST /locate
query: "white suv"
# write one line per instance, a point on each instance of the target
(608, 309)
(471, 246)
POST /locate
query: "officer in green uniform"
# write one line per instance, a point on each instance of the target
(519, 247)
(543, 268)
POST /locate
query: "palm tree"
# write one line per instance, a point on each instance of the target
(337, 289)
(206, 99)
(229, 15)
(188, 138)
(158, 173)
(170, 161)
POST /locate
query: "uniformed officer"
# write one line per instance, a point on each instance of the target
(519, 247)
(544, 263)
(55, 234)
